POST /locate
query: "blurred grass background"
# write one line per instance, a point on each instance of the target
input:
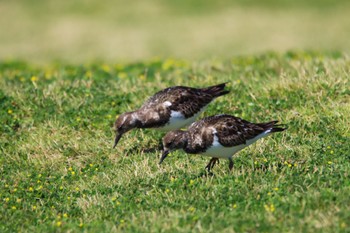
(87, 30)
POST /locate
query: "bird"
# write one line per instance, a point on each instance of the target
(218, 136)
(169, 109)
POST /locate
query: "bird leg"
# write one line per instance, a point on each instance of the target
(212, 163)
(215, 160)
(208, 165)
(230, 165)
(160, 145)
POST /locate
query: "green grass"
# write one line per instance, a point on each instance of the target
(60, 173)
(79, 31)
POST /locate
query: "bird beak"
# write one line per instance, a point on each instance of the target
(117, 138)
(164, 155)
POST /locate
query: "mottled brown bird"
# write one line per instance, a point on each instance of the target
(169, 109)
(219, 136)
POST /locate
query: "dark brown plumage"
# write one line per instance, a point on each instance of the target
(169, 109)
(219, 136)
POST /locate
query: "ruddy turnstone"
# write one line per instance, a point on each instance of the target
(169, 109)
(219, 136)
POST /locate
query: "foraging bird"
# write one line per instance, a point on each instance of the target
(219, 136)
(169, 109)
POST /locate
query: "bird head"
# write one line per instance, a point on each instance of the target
(123, 124)
(173, 140)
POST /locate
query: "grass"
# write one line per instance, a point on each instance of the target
(60, 173)
(85, 30)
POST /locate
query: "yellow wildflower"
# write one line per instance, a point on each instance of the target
(34, 78)
(332, 152)
(234, 206)
(168, 64)
(269, 208)
(9, 111)
(73, 173)
(65, 215)
(329, 162)
(48, 74)
(33, 207)
(191, 182)
(31, 189)
(59, 223)
(122, 75)
(70, 169)
(106, 68)
(14, 207)
(7, 199)
(119, 66)
(142, 77)
(191, 209)
(167, 190)
(81, 225)
(88, 74)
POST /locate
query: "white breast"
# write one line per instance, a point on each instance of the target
(219, 151)
(178, 121)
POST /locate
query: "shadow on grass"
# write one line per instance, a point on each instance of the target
(148, 150)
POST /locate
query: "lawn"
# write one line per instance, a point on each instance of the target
(117, 30)
(59, 172)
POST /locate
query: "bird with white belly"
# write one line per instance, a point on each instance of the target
(170, 109)
(219, 136)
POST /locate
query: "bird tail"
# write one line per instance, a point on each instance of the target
(273, 126)
(217, 90)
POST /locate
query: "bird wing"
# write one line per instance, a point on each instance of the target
(185, 100)
(233, 131)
